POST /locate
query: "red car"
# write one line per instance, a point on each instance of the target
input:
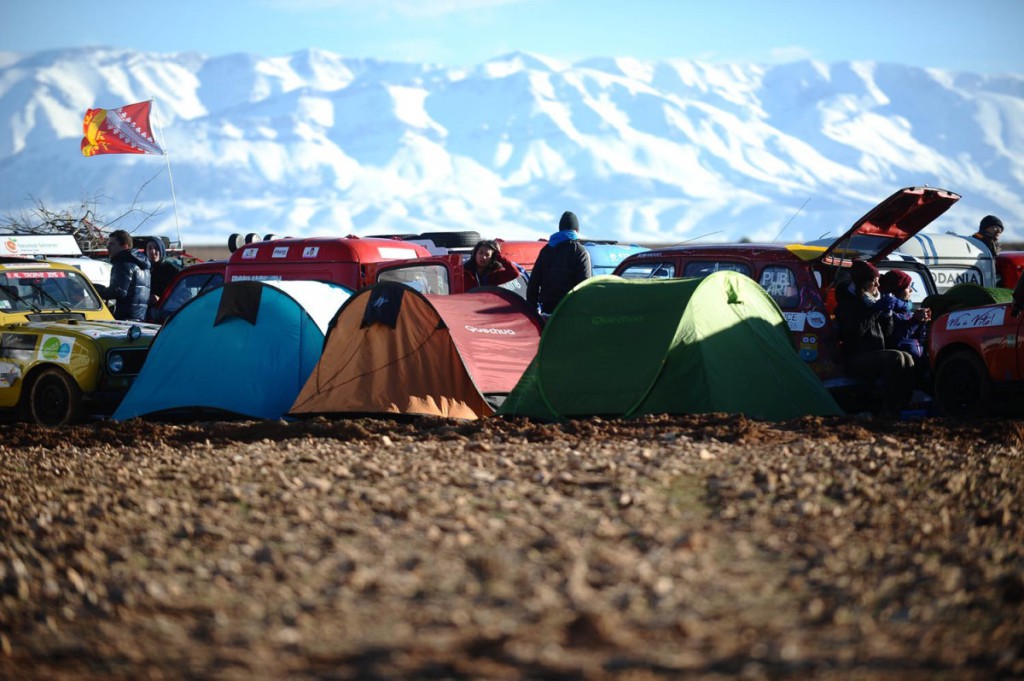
(353, 262)
(802, 278)
(1009, 266)
(978, 356)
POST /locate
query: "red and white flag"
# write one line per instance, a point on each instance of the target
(124, 130)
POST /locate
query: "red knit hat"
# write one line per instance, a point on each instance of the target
(893, 281)
(862, 272)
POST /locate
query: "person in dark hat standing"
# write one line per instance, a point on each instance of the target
(561, 264)
(865, 320)
(989, 230)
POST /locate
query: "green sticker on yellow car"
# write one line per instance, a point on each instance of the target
(56, 349)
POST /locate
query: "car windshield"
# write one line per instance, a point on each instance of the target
(46, 289)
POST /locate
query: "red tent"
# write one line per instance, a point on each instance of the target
(391, 349)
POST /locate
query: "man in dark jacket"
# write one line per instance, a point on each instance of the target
(129, 278)
(561, 264)
(989, 230)
(162, 270)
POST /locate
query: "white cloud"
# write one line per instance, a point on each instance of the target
(783, 55)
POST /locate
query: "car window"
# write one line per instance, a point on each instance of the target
(702, 268)
(650, 270)
(187, 288)
(424, 278)
(780, 283)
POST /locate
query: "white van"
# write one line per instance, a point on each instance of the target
(952, 259)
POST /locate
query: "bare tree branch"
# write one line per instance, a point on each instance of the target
(83, 222)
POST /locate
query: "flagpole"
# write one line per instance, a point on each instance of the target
(170, 178)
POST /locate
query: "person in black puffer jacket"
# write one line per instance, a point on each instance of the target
(129, 278)
(562, 264)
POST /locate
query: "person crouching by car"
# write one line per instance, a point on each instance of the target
(865, 320)
(488, 267)
(129, 278)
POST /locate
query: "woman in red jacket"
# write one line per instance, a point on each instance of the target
(488, 267)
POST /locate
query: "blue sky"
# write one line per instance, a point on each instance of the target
(982, 35)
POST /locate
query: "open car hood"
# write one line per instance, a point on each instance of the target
(889, 224)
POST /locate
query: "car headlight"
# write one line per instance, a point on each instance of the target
(115, 362)
(134, 332)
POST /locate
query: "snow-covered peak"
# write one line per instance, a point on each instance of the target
(652, 151)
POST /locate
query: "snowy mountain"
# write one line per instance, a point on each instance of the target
(317, 144)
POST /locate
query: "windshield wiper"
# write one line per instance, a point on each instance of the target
(9, 291)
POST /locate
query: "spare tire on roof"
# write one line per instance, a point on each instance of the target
(270, 237)
(393, 236)
(252, 238)
(452, 239)
(235, 241)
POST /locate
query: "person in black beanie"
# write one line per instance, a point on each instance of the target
(561, 264)
(988, 233)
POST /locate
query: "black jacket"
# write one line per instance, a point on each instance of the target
(864, 325)
(129, 285)
(163, 271)
(992, 244)
(557, 270)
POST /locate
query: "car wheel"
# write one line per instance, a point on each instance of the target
(252, 238)
(54, 399)
(452, 239)
(963, 387)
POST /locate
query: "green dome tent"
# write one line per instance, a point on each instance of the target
(617, 347)
(964, 295)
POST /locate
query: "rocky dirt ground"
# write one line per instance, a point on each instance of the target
(705, 547)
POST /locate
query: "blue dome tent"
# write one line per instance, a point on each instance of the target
(244, 349)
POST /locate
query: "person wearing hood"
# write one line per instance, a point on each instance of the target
(129, 278)
(162, 271)
(561, 264)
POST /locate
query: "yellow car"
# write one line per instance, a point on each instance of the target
(62, 354)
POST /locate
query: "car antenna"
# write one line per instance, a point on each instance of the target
(686, 241)
(791, 219)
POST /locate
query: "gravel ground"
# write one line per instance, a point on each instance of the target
(704, 547)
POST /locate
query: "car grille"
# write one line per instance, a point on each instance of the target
(133, 359)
